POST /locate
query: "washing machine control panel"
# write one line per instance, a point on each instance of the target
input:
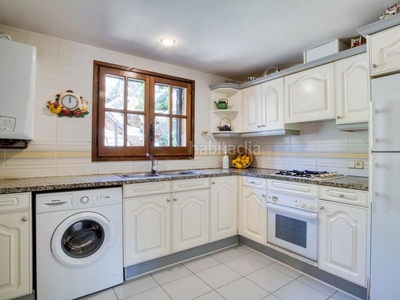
(87, 199)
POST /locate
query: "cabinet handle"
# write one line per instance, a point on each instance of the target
(213, 182)
(168, 200)
(321, 208)
(24, 219)
(341, 196)
(175, 199)
(374, 66)
(338, 117)
(263, 196)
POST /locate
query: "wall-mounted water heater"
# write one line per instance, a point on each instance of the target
(17, 93)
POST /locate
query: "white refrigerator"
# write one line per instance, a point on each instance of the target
(385, 188)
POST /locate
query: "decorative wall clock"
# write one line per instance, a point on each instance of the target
(68, 104)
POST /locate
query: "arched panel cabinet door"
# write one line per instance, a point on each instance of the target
(309, 95)
(190, 211)
(384, 51)
(343, 241)
(352, 89)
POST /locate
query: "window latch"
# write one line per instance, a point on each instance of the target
(151, 132)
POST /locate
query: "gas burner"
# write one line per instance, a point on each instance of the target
(309, 174)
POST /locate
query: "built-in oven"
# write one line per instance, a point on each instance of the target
(293, 223)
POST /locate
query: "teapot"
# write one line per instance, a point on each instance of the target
(221, 104)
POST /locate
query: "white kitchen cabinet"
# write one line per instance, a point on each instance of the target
(384, 51)
(263, 106)
(147, 228)
(309, 95)
(252, 108)
(352, 89)
(15, 245)
(343, 241)
(254, 212)
(169, 217)
(223, 207)
(190, 215)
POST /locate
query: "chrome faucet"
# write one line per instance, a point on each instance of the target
(153, 163)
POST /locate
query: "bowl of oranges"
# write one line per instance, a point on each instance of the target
(241, 158)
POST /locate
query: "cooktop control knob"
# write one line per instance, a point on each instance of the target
(310, 206)
(302, 205)
(84, 199)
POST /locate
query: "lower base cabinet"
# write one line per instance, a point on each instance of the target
(343, 241)
(15, 246)
(223, 207)
(159, 225)
(254, 214)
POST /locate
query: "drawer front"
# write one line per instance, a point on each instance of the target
(255, 182)
(18, 201)
(146, 188)
(293, 187)
(344, 195)
(190, 184)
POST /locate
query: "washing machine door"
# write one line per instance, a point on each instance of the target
(82, 238)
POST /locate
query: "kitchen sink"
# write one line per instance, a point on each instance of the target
(140, 175)
(177, 173)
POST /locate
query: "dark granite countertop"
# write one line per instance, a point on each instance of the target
(39, 184)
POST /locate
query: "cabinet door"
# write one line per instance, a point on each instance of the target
(190, 214)
(352, 90)
(309, 95)
(254, 214)
(343, 241)
(223, 207)
(384, 51)
(15, 257)
(147, 228)
(252, 108)
(272, 105)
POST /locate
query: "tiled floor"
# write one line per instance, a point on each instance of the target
(236, 273)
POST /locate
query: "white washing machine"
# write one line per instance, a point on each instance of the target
(78, 242)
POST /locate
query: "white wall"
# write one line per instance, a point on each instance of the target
(62, 146)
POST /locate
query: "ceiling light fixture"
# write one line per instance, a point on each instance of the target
(167, 41)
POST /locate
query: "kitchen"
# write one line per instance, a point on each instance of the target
(62, 146)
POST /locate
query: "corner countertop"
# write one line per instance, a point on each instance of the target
(41, 184)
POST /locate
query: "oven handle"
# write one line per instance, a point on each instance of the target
(293, 212)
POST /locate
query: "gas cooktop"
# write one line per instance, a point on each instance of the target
(309, 174)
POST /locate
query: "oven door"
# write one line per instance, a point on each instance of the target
(293, 229)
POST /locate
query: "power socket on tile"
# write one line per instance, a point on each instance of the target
(359, 164)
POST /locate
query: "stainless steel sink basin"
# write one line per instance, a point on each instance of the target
(140, 175)
(176, 173)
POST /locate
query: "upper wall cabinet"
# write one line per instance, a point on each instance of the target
(352, 89)
(252, 108)
(263, 108)
(309, 95)
(384, 51)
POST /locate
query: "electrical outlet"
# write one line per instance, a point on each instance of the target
(359, 164)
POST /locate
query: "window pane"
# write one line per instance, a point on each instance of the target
(136, 94)
(161, 132)
(135, 130)
(114, 129)
(114, 93)
(178, 101)
(161, 98)
(178, 132)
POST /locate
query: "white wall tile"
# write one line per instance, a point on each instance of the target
(46, 75)
(117, 58)
(77, 55)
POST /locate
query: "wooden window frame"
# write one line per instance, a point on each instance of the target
(100, 152)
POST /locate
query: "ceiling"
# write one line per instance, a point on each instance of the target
(231, 38)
